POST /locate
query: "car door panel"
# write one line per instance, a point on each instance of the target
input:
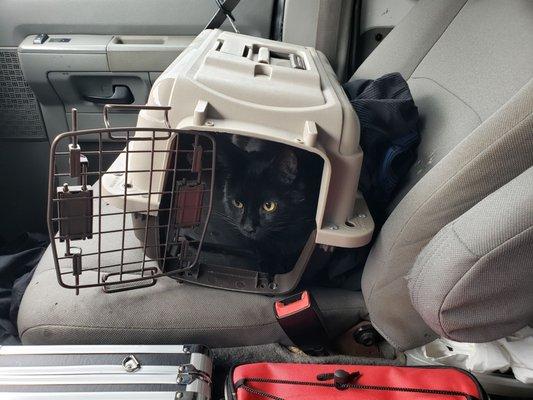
(107, 44)
(21, 18)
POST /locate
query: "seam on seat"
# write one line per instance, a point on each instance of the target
(436, 41)
(439, 315)
(462, 241)
(129, 328)
(446, 245)
(441, 243)
(450, 92)
(325, 310)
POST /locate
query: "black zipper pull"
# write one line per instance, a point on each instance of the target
(239, 383)
(324, 377)
(341, 378)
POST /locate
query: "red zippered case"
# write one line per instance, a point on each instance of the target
(286, 381)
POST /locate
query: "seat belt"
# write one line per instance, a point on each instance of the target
(225, 10)
(302, 321)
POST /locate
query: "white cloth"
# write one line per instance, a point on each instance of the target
(520, 349)
(515, 352)
(475, 357)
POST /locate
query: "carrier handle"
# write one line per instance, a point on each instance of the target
(108, 107)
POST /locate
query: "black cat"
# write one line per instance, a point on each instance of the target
(269, 196)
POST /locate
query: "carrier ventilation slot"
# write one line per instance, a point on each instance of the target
(261, 54)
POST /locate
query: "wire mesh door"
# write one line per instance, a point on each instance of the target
(162, 182)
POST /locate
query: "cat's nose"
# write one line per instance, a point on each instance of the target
(249, 228)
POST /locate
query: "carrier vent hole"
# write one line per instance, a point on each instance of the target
(262, 70)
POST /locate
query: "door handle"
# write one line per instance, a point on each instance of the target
(121, 95)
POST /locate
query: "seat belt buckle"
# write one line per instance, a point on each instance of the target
(301, 319)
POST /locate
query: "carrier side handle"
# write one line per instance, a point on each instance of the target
(130, 107)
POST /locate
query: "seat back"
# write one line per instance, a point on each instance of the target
(468, 64)
(472, 282)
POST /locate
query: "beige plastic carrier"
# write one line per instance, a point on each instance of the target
(235, 84)
(243, 85)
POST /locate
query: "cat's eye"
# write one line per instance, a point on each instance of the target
(237, 203)
(270, 206)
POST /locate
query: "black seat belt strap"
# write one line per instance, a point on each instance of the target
(225, 10)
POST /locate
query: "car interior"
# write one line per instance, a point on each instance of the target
(446, 261)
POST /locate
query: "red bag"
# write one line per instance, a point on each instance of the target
(273, 381)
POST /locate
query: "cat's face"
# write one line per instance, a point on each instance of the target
(263, 195)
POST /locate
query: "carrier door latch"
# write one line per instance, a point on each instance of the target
(75, 203)
(188, 204)
(266, 56)
(75, 207)
(296, 61)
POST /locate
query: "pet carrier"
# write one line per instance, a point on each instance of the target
(159, 208)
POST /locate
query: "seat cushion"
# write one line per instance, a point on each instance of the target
(168, 312)
(165, 313)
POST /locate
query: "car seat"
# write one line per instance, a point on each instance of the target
(468, 64)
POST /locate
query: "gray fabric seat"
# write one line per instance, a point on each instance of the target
(465, 269)
(469, 66)
(167, 312)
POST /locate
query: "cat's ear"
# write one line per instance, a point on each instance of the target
(248, 144)
(228, 156)
(287, 164)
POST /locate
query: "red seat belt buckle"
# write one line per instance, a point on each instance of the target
(300, 318)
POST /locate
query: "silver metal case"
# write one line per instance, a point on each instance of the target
(114, 372)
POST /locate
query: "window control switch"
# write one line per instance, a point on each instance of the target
(40, 38)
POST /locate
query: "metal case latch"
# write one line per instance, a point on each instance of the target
(187, 374)
(131, 364)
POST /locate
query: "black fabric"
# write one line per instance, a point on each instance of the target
(18, 260)
(389, 137)
(224, 11)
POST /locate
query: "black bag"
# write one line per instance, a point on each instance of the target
(389, 137)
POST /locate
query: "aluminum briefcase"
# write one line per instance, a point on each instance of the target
(111, 372)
